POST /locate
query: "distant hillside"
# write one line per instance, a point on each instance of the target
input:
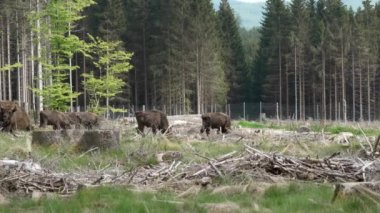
(250, 14)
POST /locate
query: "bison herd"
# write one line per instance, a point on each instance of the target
(13, 117)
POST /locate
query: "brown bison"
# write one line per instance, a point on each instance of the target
(154, 119)
(13, 117)
(215, 120)
(73, 119)
(58, 120)
(88, 119)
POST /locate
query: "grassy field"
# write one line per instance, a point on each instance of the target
(333, 128)
(284, 198)
(141, 151)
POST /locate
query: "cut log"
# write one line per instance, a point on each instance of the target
(83, 139)
(103, 139)
(48, 137)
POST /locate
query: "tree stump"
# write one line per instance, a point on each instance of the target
(83, 139)
(102, 139)
(48, 137)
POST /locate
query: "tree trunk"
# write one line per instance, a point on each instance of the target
(3, 83)
(280, 77)
(198, 83)
(295, 84)
(144, 56)
(323, 86)
(70, 75)
(368, 91)
(360, 93)
(353, 88)
(32, 64)
(9, 58)
(335, 94)
(18, 60)
(287, 89)
(39, 69)
(343, 81)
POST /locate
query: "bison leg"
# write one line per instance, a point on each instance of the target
(208, 131)
(154, 129)
(224, 130)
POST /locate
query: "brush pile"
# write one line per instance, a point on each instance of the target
(28, 177)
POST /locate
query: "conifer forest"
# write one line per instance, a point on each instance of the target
(315, 58)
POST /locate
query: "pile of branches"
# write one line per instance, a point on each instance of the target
(333, 168)
(27, 177)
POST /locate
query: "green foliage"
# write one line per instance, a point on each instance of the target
(235, 66)
(10, 67)
(57, 96)
(106, 57)
(62, 15)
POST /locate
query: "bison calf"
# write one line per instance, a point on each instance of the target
(58, 120)
(154, 119)
(215, 120)
(13, 117)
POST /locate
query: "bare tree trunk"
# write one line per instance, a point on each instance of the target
(70, 75)
(24, 93)
(335, 94)
(323, 85)
(287, 89)
(39, 69)
(374, 117)
(3, 83)
(295, 83)
(353, 88)
(360, 93)
(343, 81)
(1, 61)
(9, 58)
(198, 83)
(368, 91)
(280, 76)
(144, 56)
(32, 63)
(18, 61)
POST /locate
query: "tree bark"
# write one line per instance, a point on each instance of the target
(39, 69)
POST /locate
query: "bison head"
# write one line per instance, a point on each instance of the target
(6, 111)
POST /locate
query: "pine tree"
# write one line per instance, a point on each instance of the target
(232, 52)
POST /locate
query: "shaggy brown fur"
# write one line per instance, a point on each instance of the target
(154, 119)
(88, 119)
(13, 117)
(58, 120)
(215, 120)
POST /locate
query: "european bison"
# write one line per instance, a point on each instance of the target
(87, 119)
(154, 119)
(13, 117)
(215, 120)
(58, 120)
(73, 119)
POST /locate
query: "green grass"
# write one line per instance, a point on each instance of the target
(316, 127)
(312, 198)
(283, 198)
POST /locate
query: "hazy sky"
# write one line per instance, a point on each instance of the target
(250, 11)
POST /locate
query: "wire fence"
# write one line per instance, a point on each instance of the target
(260, 111)
(246, 111)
